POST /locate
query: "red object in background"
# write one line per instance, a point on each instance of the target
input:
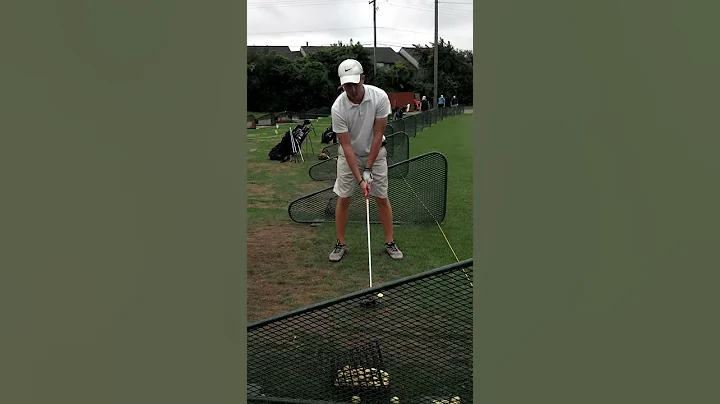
(402, 100)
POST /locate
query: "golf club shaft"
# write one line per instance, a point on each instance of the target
(367, 214)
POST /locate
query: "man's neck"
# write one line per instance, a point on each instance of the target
(361, 96)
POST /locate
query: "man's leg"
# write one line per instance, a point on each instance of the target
(344, 186)
(385, 213)
(379, 190)
(342, 215)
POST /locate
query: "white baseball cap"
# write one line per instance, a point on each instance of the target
(349, 71)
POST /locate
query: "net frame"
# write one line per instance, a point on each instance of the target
(417, 190)
(397, 147)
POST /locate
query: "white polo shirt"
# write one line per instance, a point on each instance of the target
(358, 119)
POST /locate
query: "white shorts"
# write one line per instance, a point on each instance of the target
(345, 182)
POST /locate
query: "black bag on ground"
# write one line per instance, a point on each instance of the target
(328, 136)
(283, 150)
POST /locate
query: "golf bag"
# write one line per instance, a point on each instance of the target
(328, 136)
(290, 143)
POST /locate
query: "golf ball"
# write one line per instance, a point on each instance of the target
(355, 399)
(380, 295)
(395, 400)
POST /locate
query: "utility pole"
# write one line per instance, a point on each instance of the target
(435, 59)
(374, 36)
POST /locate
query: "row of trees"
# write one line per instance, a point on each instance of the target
(276, 83)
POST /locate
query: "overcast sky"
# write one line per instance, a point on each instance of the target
(322, 22)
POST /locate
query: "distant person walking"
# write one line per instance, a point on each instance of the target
(424, 104)
(454, 102)
(441, 101)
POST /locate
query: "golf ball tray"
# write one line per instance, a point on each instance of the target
(362, 378)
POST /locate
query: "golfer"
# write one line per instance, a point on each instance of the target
(359, 117)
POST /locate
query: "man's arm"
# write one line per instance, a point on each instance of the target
(343, 136)
(381, 114)
(344, 140)
(378, 132)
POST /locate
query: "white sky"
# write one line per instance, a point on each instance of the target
(322, 22)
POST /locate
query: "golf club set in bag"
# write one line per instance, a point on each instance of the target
(291, 144)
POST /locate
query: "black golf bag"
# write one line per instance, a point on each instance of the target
(290, 143)
(328, 136)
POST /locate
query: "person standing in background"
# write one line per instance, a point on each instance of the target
(454, 102)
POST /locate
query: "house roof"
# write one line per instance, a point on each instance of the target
(383, 54)
(412, 52)
(280, 50)
(309, 50)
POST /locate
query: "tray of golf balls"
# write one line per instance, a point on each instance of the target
(358, 377)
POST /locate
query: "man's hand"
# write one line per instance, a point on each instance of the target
(367, 175)
(365, 187)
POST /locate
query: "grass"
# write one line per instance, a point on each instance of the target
(288, 264)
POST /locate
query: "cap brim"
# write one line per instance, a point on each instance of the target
(354, 79)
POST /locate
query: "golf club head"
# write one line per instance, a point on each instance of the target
(368, 302)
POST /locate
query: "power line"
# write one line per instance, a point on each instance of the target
(346, 29)
(453, 12)
(313, 3)
(310, 30)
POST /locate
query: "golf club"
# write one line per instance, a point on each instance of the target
(368, 302)
(367, 215)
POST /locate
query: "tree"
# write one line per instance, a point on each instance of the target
(398, 78)
(276, 83)
(455, 71)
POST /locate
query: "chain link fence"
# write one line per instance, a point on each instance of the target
(407, 341)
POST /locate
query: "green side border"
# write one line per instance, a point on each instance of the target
(123, 228)
(596, 208)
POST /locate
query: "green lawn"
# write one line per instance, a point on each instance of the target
(288, 264)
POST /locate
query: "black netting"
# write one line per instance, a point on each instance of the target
(420, 122)
(287, 117)
(331, 150)
(399, 125)
(409, 340)
(325, 170)
(410, 125)
(417, 189)
(267, 120)
(397, 147)
(389, 129)
(315, 113)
